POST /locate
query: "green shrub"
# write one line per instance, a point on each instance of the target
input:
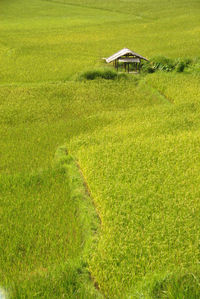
(91, 75)
(181, 64)
(195, 65)
(187, 61)
(108, 75)
(180, 67)
(158, 63)
(196, 60)
(163, 63)
(94, 74)
(147, 67)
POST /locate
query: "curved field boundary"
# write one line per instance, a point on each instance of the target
(154, 91)
(114, 11)
(88, 216)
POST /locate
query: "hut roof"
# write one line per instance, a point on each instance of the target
(122, 53)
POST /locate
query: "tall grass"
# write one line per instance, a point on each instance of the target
(162, 63)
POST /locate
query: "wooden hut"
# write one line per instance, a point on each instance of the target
(126, 57)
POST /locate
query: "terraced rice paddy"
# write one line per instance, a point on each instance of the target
(136, 141)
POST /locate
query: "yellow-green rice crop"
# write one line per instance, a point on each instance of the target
(135, 139)
(143, 172)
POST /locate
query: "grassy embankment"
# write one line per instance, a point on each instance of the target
(137, 147)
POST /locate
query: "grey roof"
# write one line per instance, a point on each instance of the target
(122, 53)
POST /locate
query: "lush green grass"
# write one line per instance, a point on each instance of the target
(136, 140)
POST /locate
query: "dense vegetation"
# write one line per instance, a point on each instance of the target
(135, 139)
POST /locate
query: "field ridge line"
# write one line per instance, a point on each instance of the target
(89, 194)
(80, 190)
(96, 8)
(87, 188)
(158, 92)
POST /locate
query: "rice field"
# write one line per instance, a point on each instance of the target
(143, 171)
(99, 179)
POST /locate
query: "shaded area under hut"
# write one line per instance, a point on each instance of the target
(127, 59)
